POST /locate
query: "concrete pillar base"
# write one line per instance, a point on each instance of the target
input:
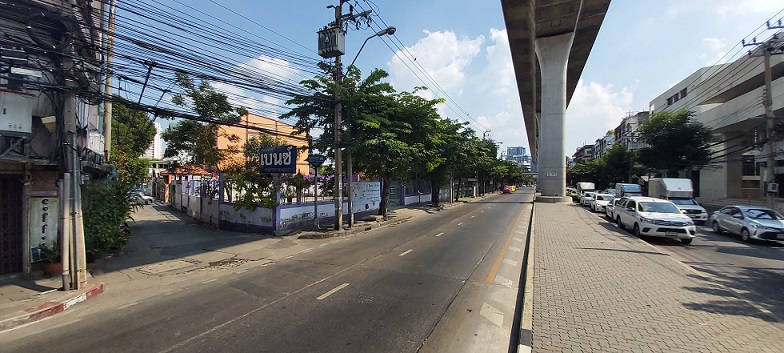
(553, 199)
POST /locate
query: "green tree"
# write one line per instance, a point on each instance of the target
(252, 187)
(617, 164)
(132, 131)
(196, 139)
(675, 142)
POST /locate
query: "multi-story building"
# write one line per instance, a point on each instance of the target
(276, 129)
(627, 131)
(729, 100)
(584, 153)
(155, 151)
(603, 145)
(50, 127)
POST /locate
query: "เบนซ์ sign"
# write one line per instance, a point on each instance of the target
(278, 160)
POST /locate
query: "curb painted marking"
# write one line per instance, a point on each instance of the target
(502, 253)
(333, 291)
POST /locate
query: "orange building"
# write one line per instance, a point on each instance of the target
(282, 132)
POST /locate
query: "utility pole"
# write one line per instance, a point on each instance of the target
(332, 44)
(769, 47)
(107, 111)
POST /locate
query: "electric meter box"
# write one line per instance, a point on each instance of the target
(331, 42)
(16, 114)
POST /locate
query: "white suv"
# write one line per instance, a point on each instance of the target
(654, 217)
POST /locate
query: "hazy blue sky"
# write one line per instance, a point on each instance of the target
(643, 48)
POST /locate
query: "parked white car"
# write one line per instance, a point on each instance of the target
(600, 202)
(586, 198)
(654, 217)
(750, 222)
(610, 209)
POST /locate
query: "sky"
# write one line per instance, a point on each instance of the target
(462, 54)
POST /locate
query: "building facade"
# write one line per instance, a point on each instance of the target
(155, 151)
(627, 131)
(51, 127)
(729, 100)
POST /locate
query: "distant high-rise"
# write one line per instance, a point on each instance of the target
(515, 151)
(155, 151)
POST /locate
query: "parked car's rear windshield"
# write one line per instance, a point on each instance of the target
(756, 213)
(689, 202)
(659, 207)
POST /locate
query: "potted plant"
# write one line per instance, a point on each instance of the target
(54, 263)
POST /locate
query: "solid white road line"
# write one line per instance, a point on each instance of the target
(406, 252)
(439, 234)
(333, 291)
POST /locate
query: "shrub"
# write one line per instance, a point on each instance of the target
(107, 204)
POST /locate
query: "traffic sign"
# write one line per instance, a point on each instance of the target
(316, 160)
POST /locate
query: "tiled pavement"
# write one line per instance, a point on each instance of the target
(597, 289)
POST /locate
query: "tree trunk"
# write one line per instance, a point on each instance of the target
(435, 192)
(382, 210)
(459, 188)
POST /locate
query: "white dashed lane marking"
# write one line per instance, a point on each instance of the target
(509, 262)
(333, 291)
(514, 248)
(406, 252)
(439, 234)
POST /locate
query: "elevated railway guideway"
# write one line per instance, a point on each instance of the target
(550, 42)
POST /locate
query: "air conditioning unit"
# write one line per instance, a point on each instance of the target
(773, 187)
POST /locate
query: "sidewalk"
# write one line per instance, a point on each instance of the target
(597, 289)
(168, 249)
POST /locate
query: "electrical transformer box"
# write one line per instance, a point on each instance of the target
(331, 42)
(16, 114)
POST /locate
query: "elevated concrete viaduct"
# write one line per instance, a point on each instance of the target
(550, 42)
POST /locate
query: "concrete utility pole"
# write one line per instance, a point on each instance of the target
(334, 46)
(107, 112)
(769, 47)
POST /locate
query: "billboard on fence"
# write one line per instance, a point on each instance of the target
(279, 160)
(367, 196)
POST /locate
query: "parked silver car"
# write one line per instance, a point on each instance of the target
(750, 222)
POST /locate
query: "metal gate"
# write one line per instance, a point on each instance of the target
(10, 224)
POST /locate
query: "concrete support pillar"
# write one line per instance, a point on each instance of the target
(553, 56)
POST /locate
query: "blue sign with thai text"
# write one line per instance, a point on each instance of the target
(279, 160)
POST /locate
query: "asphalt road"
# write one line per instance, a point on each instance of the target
(754, 271)
(391, 290)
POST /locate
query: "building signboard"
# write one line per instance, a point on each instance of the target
(43, 222)
(279, 160)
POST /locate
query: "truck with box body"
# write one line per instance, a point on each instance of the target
(680, 192)
(582, 188)
(622, 190)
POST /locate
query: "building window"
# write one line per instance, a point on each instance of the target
(750, 167)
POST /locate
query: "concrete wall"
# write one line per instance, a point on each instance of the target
(243, 220)
(417, 199)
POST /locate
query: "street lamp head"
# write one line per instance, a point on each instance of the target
(389, 30)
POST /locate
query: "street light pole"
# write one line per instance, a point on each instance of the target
(349, 161)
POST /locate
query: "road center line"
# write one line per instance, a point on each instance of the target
(333, 291)
(439, 234)
(406, 252)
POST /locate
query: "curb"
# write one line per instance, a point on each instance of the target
(355, 230)
(50, 307)
(526, 322)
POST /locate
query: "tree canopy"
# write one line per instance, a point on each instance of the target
(675, 142)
